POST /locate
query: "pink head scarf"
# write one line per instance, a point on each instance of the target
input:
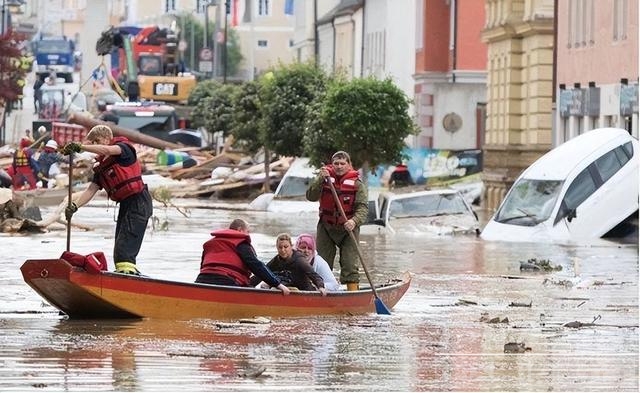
(307, 240)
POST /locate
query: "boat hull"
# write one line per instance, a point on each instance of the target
(111, 295)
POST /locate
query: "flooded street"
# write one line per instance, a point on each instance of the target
(468, 298)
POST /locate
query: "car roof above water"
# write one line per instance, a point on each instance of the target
(576, 154)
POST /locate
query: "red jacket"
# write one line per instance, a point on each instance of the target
(346, 188)
(119, 181)
(219, 256)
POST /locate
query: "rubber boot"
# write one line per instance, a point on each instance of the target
(353, 286)
(127, 268)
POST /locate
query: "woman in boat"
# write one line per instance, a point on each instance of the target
(119, 172)
(229, 259)
(306, 244)
(292, 267)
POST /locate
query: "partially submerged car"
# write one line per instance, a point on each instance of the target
(582, 189)
(289, 196)
(427, 212)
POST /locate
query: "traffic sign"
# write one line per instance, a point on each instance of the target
(205, 54)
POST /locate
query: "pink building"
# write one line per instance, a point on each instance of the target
(596, 66)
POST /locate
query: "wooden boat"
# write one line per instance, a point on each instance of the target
(107, 295)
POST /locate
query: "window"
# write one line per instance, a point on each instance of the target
(264, 8)
(580, 189)
(263, 43)
(169, 5)
(620, 19)
(608, 165)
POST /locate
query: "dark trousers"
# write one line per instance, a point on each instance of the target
(216, 279)
(133, 217)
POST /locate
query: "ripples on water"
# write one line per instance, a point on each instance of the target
(434, 340)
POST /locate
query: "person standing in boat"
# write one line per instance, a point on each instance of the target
(229, 259)
(119, 172)
(306, 245)
(291, 267)
(332, 230)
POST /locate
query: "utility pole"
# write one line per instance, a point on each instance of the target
(224, 48)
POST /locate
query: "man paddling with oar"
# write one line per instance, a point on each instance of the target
(333, 228)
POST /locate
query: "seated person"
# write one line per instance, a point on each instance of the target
(229, 259)
(292, 268)
(306, 244)
(400, 177)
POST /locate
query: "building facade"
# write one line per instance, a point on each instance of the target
(596, 67)
(450, 74)
(519, 35)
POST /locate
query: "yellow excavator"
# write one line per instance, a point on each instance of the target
(149, 65)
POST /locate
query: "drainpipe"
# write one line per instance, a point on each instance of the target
(454, 39)
(316, 44)
(364, 8)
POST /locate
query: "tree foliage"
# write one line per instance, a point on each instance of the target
(366, 117)
(217, 110)
(10, 70)
(248, 126)
(287, 93)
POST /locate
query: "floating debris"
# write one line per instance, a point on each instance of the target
(520, 304)
(539, 265)
(252, 372)
(516, 348)
(485, 318)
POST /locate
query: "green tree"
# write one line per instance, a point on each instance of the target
(366, 117)
(215, 111)
(248, 126)
(286, 95)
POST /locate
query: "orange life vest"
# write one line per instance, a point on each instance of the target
(346, 188)
(219, 256)
(23, 173)
(119, 181)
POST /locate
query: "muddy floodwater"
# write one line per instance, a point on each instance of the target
(467, 301)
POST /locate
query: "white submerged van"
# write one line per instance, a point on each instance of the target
(580, 190)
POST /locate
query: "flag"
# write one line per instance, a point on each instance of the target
(288, 7)
(234, 12)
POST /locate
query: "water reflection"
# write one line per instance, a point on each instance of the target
(435, 339)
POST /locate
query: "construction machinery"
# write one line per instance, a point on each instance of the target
(149, 67)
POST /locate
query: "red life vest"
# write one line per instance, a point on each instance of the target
(23, 174)
(346, 188)
(119, 181)
(219, 256)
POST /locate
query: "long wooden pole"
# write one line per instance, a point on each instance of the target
(381, 308)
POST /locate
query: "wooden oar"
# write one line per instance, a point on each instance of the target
(381, 308)
(70, 201)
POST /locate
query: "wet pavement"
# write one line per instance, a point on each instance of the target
(467, 300)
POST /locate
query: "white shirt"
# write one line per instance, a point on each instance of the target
(321, 267)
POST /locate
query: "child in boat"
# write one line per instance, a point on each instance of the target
(306, 244)
(292, 268)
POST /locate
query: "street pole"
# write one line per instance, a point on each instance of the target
(224, 48)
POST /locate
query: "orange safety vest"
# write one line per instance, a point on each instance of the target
(23, 174)
(346, 188)
(219, 256)
(119, 181)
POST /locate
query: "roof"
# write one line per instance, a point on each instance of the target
(345, 7)
(576, 153)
